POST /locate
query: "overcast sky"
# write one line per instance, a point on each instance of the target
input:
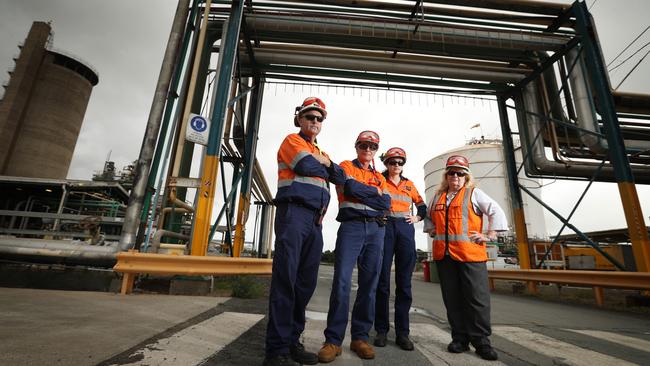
(124, 41)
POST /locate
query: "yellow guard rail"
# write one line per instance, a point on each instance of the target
(595, 279)
(133, 263)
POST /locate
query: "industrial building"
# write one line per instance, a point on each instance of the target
(43, 108)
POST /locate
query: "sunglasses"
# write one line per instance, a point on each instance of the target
(313, 117)
(451, 173)
(366, 146)
(396, 162)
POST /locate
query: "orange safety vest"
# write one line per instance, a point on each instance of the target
(453, 226)
(402, 196)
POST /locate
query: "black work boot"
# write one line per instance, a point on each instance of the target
(487, 352)
(380, 340)
(404, 342)
(457, 347)
(279, 360)
(298, 354)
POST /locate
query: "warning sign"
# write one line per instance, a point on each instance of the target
(198, 129)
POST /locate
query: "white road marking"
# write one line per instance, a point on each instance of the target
(636, 343)
(566, 353)
(432, 342)
(194, 344)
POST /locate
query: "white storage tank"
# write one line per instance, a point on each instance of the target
(489, 170)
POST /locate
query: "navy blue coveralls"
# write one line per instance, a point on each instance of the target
(359, 241)
(399, 241)
(302, 198)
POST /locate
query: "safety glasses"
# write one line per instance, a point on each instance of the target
(313, 117)
(396, 162)
(367, 146)
(451, 173)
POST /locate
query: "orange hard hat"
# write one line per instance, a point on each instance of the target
(393, 152)
(367, 136)
(457, 161)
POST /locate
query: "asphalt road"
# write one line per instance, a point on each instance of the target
(45, 327)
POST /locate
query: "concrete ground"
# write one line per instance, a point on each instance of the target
(50, 327)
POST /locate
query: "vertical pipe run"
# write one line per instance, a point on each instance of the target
(515, 193)
(210, 166)
(618, 157)
(252, 128)
(136, 198)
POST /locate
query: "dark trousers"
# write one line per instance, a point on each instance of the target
(399, 241)
(298, 247)
(466, 295)
(357, 243)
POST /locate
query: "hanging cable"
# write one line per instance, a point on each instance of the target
(634, 68)
(628, 46)
(627, 59)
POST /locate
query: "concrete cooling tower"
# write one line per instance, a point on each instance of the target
(43, 108)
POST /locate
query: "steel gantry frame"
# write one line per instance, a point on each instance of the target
(507, 50)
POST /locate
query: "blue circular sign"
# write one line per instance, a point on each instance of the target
(198, 124)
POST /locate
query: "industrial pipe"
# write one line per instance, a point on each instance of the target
(159, 234)
(136, 198)
(57, 251)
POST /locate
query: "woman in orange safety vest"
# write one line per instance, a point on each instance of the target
(455, 222)
(399, 241)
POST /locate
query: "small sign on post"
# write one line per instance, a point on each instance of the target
(198, 129)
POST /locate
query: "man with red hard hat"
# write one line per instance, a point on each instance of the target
(304, 173)
(455, 221)
(399, 242)
(363, 202)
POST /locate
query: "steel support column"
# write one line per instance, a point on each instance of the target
(617, 155)
(252, 128)
(210, 166)
(136, 198)
(513, 184)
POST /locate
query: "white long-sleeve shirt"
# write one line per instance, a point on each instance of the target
(483, 204)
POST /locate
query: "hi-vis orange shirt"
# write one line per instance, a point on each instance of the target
(453, 226)
(301, 178)
(402, 195)
(359, 197)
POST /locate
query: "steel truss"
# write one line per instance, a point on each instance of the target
(512, 50)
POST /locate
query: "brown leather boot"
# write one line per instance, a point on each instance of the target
(328, 352)
(362, 349)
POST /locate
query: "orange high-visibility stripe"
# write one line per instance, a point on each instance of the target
(365, 176)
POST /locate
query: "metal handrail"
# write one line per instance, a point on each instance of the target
(131, 263)
(620, 280)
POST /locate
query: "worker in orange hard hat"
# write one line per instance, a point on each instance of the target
(455, 221)
(363, 202)
(399, 241)
(304, 173)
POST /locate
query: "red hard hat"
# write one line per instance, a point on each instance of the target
(368, 136)
(457, 161)
(393, 152)
(312, 103)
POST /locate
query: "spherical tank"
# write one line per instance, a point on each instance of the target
(489, 170)
(53, 117)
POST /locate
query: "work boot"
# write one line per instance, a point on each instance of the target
(298, 354)
(279, 360)
(329, 352)
(457, 347)
(380, 340)
(487, 352)
(404, 342)
(362, 349)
